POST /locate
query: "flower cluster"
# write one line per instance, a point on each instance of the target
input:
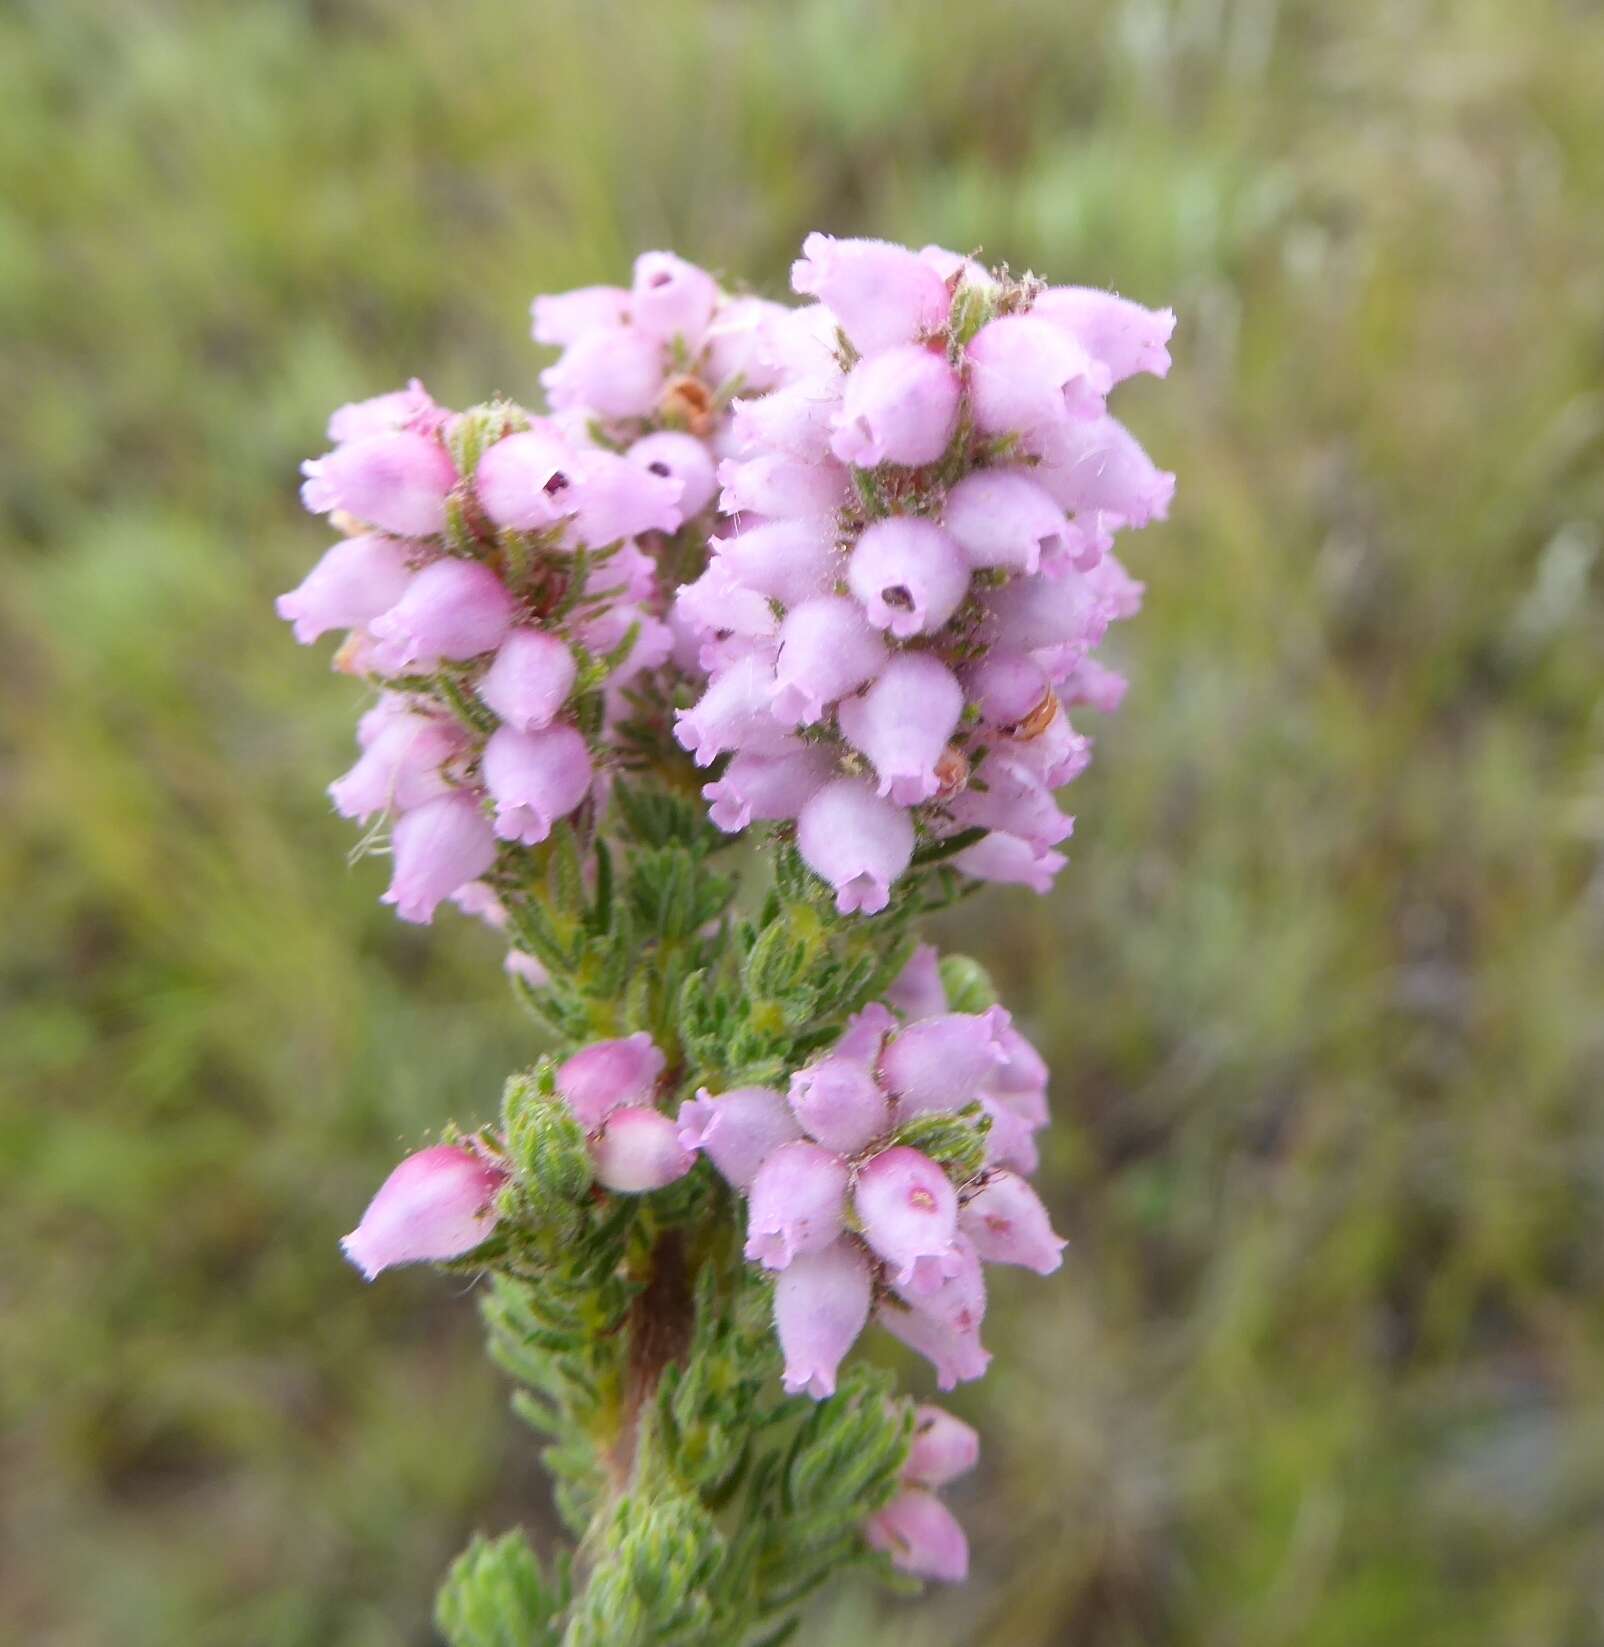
(852, 1216)
(918, 565)
(920, 1534)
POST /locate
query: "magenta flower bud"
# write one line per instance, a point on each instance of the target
(672, 298)
(919, 991)
(775, 483)
(396, 481)
(638, 1150)
(737, 1131)
(909, 1212)
(944, 1448)
(451, 609)
(614, 499)
(616, 372)
(944, 1326)
(408, 408)
(435, 848)
(525, 481)
(529, 680)
(352, 584)
(839, 1104)
(1001, 518)
(1094, 684)
(902, 723)
(767, 786)
(609, 1075)
(673, 456)
(821, 1303)
(796, 1204)
(881, 295)
(1097, 463)
(1009, 861)
(1006, 687)
(898, 407)
(731, 710)
(865, 1033)
(1028, 377)
(910, 576)
(785, 560)
(408, 763)
(1123, 335)
(922, 1536)
(941, 1063)
(561, 318)
(1008, 1225)
(827, 649)
(1030, 614)
(534, 778)
(795, 420)
(1014, 801)
(855, 840)
(438, 1204)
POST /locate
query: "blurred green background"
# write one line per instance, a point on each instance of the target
(1323, 987)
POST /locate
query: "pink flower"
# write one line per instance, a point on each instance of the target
(909, 1213)
(767, 786)
(438, 1204)
(902, 723)
(561, 318)
(615, 371)
(672, 298)
(922, 1537)
(1096, 463)
(865, 1033)
(615, 498)
(880, 294)
(775, 483)
(796, 1204)
(397, 481)
(909, 574)
(407, 763)
(795, 420)
(941, 1063)
(1028, 377)
(857, 842)
(944, 1448)
(1010, 861)
(352, 584)
(827, 649)
(898, 407)
(919, 991)
(638, 1150)
(1093, 683)
(408, 408)
(534, 778)
(435, 848)
(1015, 801)
(673, 456)
(1002, 518)
(1033, 614)
(1008, 1225)
(608, 1075)
(451, 609)
(526, 480)
(1006, 687)
(734, 707)
(840, 1104)
(1123, 335)
(944, 1326)
(529, 679)
(737, 1131)
(821, 1302)
(785, 560)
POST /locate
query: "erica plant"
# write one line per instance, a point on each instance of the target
(702, 687)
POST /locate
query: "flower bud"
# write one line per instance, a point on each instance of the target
(561, 318)
(525, 480)
(671, 455)
(918, 991)
(776, 484)
(865, 1033)
(1097, 463)
(785, 560)
(1016, 801)
(827, 649)
(922, 1536)
(435, 848)
(909, 1213)
(529, 679)
(1008, 1225)
(737, 1131)
(408, 408)
(639, 1150)
(897, 407)
(451, 609)
(1006, 687)
(821, 1302)
(616, 499)
(941, 1063)
(902, 723)
(880, 295)
(857, 842)
(404, 766)
(534, 778)
(796, 1204)
(438, 1204)
(672, 298)
(1123, 335)
(740, 343)
(614, 371)
(767, 786)
(1002, 518)
(1033, 614)
(353, 583)
(795, 420)
(608, 1075)
(910, 576)
(1027, 377)
(944, 1326)
(944, 1448)
(397, 481)
(734, 707)
(1009, 861)
(840, 1104)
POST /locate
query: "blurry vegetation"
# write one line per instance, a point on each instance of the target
(1323, 988)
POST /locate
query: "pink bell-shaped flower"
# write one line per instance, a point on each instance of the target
(438, 1204)
(737, 1131)
(1008, 1225)
(353, 583)
(821, 1303)
(857, 842)
(436, 848)
(608, 1075)
(796, 1204)
(922, 1536)
(909, 574)
(638, 1150)
(909, 1213)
